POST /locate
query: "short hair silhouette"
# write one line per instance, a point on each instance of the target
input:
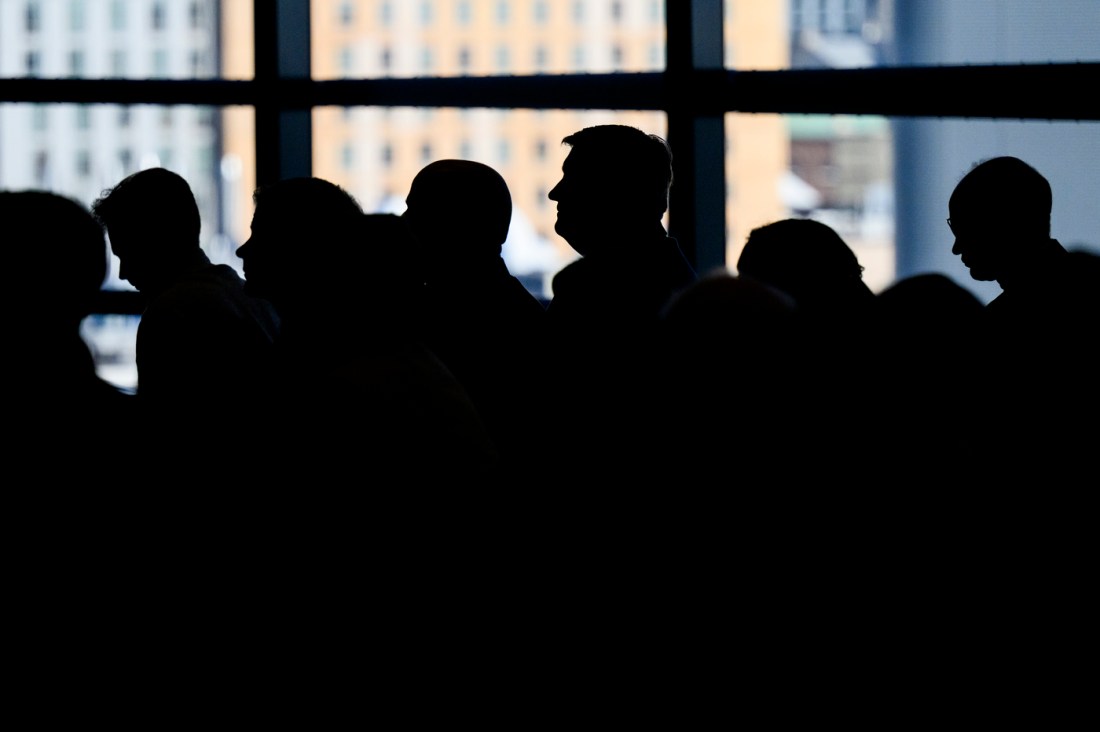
(449, 192)
(154, 199)
(638, 163)
(294, 220)
(802, 257)
(74, 256)
(1006, 192)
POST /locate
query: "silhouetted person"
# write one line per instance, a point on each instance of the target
(355, 387)
(927, 320)
(809, 261)
(611, 201)
(479, 319)
(1043, 324)
(605, 305)
(55, 262)
(1000, 217)
(200, 333)
(1032, 446)
(928, 332)
(734, 347)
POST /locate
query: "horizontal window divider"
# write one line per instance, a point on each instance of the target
(1009, 91)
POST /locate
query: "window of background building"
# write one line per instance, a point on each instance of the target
(347, 13)
(76, 63)
(346, 62)
(158, 15)
(33, 17)
(40, 117)
(118, 15)
(76, 15)
(83, 163)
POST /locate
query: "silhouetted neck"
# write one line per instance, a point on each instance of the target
(1034, 266)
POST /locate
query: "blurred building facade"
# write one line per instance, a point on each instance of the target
(82, 149)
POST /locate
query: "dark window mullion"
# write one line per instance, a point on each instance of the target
(284, 134)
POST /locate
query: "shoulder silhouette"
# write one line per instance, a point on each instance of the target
(1041, 327)
(606, 305)
(1000, 215)
(55, 264)
(199, 331)
(355, 384)
(611, 200)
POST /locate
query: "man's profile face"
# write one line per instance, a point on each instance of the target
(588, 202)
(132, 264)
(980, 242)
(258, 258)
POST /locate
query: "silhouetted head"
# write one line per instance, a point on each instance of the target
(55, 246)
(999, 213)
(458, 210)
(806, 259)
(931, 299)
(722, 304)
(298, 227)
(153, 224)
(614, 187)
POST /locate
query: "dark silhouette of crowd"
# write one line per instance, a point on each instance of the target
(402, 345)
(377, 432)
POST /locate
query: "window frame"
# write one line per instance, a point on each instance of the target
(695, 91)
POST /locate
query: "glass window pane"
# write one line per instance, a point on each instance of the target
(485, 37)
(805, 34)
(523, 145)
(932, 155)
(883, 184)
(200, 39)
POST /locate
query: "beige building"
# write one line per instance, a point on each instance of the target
(375, 152)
